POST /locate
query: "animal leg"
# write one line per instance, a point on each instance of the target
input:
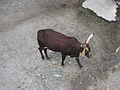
(45, 51)
(77, 59)
(40, 49)
(63, 59)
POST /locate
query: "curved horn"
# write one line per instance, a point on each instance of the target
(88, 40)
(117, 49)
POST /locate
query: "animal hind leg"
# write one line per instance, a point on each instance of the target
(45, 51)
(63, 59)
(40, 49)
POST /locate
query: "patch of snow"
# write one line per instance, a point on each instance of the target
(105, 8)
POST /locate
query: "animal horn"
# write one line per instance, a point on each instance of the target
(117, 49)
(88, 40)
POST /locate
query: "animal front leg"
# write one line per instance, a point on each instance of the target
(63, 59)
(77, 59)
(40, 49)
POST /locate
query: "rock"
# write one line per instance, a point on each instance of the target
(57, 75)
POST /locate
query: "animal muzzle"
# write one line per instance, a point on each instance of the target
(89, 56)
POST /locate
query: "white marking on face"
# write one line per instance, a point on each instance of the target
(83, 52)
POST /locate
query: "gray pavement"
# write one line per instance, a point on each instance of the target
(21, 66)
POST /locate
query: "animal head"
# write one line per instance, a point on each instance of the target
(86, 48)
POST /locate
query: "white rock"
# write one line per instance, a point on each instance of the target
(53, 62)
(81, 82)
(43, 77)
(57, 75)
(104, 8)
(91, 88)
(108, 86)
(116, 66)
(38, 74)
(70, 62)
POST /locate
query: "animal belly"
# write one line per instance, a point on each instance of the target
(54, 48)
(72, 56)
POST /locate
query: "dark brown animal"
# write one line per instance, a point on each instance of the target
(58, 42)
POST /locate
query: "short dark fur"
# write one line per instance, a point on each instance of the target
(59, 43)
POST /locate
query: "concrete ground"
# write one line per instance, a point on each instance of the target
(21, 66)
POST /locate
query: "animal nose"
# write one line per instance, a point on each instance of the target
(89, 56)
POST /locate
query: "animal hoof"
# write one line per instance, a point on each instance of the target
(47, 58)
(62, 64)
(42, 58)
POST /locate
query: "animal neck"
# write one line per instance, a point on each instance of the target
(81, 48)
